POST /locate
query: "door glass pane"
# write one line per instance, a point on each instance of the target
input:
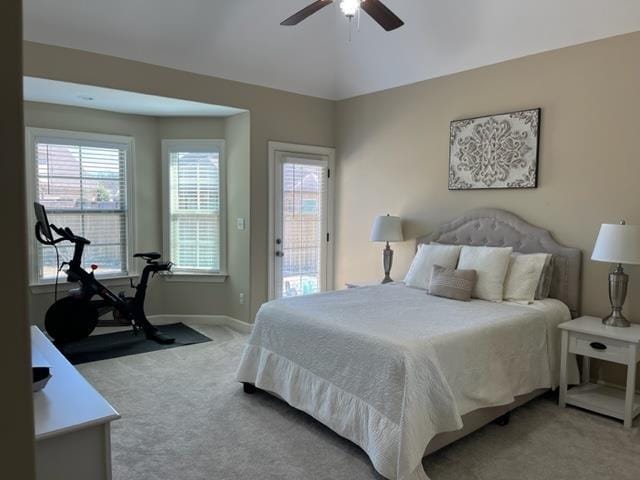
(302, 222)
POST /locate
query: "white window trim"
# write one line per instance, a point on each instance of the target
(64, 286)
(32, 134)
(188, 277)
(202, 146)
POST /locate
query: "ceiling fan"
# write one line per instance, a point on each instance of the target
(374, 8)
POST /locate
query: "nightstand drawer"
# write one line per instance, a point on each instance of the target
(598, 347)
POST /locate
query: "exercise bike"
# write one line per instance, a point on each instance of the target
(74, 317)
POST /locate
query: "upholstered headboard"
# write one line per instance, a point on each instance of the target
(499, 228)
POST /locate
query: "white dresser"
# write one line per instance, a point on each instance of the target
(72, 422)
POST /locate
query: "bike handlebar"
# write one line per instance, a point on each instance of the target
(159, 267)
(42, 240)
(65, 234)
(60, 231)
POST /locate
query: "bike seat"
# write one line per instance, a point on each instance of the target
(148, 255)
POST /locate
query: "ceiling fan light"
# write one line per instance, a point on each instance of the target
(350, 7)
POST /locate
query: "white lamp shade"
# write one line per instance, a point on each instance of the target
(386, 229)
(618, 244)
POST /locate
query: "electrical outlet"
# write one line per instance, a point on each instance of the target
(242, 299)
(240, 223)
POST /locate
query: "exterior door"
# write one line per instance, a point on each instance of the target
(301, 240)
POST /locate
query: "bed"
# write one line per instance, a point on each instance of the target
(401, 373)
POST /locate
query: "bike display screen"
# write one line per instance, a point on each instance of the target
(43, 221)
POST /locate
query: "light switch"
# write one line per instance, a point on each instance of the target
(240, 223)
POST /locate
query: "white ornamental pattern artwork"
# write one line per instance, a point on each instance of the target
(498, 151)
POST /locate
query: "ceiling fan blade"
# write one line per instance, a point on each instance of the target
(381, 14)
(307, 11)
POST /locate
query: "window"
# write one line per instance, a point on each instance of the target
(194, 195)
(82, 179)
(309, 206)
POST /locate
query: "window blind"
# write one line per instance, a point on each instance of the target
(195, 221)
(303, 190)
(83, 185)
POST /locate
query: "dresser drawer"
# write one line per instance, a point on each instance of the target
(598, 347)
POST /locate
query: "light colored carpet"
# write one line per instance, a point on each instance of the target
(185, 418)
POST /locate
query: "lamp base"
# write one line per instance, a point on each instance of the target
(616, 319)
(387, 261)
(618, 282)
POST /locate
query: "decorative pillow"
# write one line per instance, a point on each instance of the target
(419, 274)
(452, 283)
(523, 276)
(544, 286)
(491, 264)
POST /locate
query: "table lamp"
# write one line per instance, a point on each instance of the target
(619, 244)
(387, 229)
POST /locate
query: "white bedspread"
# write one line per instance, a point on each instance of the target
(389, 367)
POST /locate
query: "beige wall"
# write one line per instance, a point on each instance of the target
(238, 150)
(146, 189)
(218, 298)
(16, 421)
(275, 115)
(191, 128)
(393, 147)
(163, 296)
(393, 156)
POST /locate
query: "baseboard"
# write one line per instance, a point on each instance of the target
(239, 325)
(218, 320)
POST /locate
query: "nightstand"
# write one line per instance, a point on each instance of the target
(587, 336)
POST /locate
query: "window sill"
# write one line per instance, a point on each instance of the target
(186, 277)
(64, 286)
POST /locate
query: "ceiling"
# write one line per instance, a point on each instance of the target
(99, 98)
(242, 39)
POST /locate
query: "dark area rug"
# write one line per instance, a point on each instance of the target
(120, 344)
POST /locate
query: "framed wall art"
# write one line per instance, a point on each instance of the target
(495, 152)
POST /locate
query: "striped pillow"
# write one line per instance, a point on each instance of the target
(452, 283)
(544, 286)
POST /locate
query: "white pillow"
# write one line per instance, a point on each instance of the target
(523, 276)
(492, 264)
(419, 274)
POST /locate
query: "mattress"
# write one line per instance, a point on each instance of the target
(389, 367)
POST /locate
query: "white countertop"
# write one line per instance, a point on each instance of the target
(68, 402)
